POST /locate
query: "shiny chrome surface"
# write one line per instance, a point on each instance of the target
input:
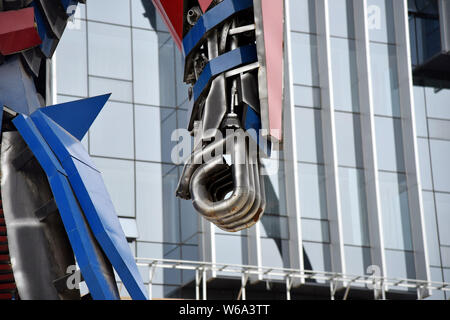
(230, 196)
(39, 248)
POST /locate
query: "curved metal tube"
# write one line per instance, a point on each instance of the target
(241, 198)
(194, 162)
(257, 211)
(211, 182)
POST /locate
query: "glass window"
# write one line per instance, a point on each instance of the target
(307, 97)
(149, 250)
(447, 279)
(312, 191)
(109, 51)
(229, 249)
(143, 14)
(395, 211)
(189, 221)
(400, 265)
(358, 260)
(345, 74)
(438, 103)
(380, 17)
(424, 164)
(182, 88)
(317, 256)
(275, 188)
(149, 207)
(111, 11)
(154, 68)
(111, 135)
(168, 125)
(443, 215)
(118, 176)
(315, 230)
(275, 227)
(304, 59)
(129, 227)
(271, 252)
(420, 112)
(121, 90)
(171, 205)
(172, 276)
(341, 18)
(148, 133)
(431, 228)
(440, 155)
(436, 275)
(354, 207)
(439, 129)
(386, 98)
(309, 135)
(71, 62)
(445, 252)
(389, 144)
(348, 140)
(303, 14)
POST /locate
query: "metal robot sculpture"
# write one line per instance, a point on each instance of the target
(233, 53)
(56, 212)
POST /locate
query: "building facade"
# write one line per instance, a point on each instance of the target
(361, 187)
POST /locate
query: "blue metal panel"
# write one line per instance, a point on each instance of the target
(17, 90)
(252, 124)
(48, 41)
(223, 63)
(94, 199)
(87, 256)
(211, 19)
(76, 117)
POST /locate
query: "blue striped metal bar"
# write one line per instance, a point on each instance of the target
(223, 63)
(211, 19)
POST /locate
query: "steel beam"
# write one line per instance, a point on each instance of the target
(409, 134)
(368, 135)
(329, 138)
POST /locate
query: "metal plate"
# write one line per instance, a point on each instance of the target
(40, 250)
(91, 193)
(94, 266)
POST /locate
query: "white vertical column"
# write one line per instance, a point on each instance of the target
(254, 254)
(368, 135)
(296, 259)
(329, 137)
(409, 134)
(207, 243)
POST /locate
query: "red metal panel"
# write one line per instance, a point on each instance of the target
(18, 31)
(7, 286)
(7, 277)
(204, 4)
(273, 19)
(5, 267)
(172, 13)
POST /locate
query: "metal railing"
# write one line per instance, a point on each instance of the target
(203, 270)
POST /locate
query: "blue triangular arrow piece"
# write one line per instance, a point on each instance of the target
(76, 117)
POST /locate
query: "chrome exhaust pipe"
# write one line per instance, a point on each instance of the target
(209, 184)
